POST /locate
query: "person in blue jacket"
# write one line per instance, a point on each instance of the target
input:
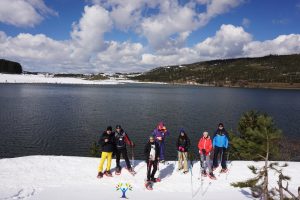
(220, 145)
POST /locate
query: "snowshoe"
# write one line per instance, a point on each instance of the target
(131, 171)
(118, 170)
(204, 173)
(155, 180)
(179, 169)
(223, 171)
(108, 173)
(214, 168)
(148, 185)
(100, 175)
(212, 176)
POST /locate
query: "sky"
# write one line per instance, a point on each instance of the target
(93, 36)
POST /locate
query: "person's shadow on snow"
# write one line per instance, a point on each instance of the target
(167, 171)
(246, 193)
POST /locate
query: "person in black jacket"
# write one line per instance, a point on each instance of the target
(183, 144)
(107, 144)
(122, 139)
(151, 152)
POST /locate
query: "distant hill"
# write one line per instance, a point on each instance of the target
(10, 67)
(273, 71)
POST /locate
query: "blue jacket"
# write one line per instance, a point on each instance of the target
(220, 140)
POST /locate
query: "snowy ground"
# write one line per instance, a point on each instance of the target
(28, 78)
(60, 177)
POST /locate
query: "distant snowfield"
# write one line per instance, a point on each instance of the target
(61, 177)
(29, 78)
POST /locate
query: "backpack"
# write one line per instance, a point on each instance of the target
(120, 140)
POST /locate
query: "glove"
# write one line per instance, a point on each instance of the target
(203, 151)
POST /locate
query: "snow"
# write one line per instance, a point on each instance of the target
(41, 78)
(61, 177)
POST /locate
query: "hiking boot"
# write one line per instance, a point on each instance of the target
(100, 175)
(154, 180)
(185, 172)
(118, 170)
(204, 173)
(212, 176)
(108, 173)
(130, 169)
(224, 170)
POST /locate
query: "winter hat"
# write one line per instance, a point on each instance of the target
(182, 131)
(160, 126)
(118, 127)
(151, 137)
(205, 133)
(221, 124)
(109, 128)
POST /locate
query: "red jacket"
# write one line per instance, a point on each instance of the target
(205, 143)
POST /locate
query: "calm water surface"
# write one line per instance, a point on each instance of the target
(66, 119)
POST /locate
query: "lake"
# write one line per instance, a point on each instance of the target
(67, 119)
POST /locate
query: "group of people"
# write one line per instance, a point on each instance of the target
(114, 142)
(154, 150)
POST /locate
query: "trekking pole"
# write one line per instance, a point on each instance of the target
(132, 157)
(228, 167)
(200, 169)
(158, 170)
(192, 186)
(191, 171)
(221, 160)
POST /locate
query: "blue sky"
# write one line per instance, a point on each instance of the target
(91, 36)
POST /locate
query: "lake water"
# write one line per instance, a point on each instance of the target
(67, 119)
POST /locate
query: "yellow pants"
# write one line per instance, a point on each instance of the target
(104, 156)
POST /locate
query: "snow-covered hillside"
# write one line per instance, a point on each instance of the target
(60, 177)
(29, 78)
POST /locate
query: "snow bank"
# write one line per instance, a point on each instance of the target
(29, 78)
(60, 177)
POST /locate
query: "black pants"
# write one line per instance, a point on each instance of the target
(222, 152)
(150, 164)
(125, 156)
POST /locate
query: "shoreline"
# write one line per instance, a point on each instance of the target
(43, 79)
(251, 86)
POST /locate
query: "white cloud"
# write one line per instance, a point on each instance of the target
(283, 44)
(281, 21)
(122, 57)
(88, 34)
(173, 20)
(166, 31)
(228, 42)
(246, 22)
(169, 27)
(217, 7)
(24, 13)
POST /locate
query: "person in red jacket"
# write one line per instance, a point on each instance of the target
(205, 148)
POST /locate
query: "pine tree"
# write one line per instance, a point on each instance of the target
(256, 131)
(257, 134)
(95, 150)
